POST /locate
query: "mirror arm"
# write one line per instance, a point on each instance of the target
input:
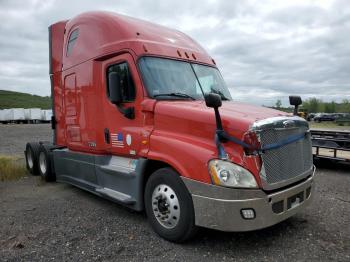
(219, 128)
(295, 110)
(218, 119)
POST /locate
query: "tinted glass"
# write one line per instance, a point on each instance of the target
(126, 82)
(165, 76)
(72, 39)
(211, 81)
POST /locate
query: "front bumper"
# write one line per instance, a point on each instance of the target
(220, 207)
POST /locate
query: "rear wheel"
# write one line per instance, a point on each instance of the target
(45, 164)
(31, 155)
(169, 206)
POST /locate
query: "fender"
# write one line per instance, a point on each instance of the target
(190, 155)
(183, 154)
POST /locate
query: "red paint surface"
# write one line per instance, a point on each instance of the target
(180, 133)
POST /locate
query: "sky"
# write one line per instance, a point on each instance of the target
(265, 50)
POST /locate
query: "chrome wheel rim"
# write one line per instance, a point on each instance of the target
(30, 159)
(165, 206)
(42, 163)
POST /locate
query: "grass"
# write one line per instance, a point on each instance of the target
(328, 125)
(11, 168)
(9, 99)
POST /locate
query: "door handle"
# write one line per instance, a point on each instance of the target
(107, 136)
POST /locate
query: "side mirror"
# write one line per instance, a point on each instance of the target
(114, 87)
(213, 100)
(296, 102)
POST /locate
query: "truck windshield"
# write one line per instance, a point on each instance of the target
(171, 79)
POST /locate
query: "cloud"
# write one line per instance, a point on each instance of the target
(266, 50)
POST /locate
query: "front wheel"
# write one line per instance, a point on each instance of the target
(169, 206)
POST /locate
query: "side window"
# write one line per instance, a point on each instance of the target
(72, 39)
(126, 83)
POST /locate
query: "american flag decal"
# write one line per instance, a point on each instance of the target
(117, 140)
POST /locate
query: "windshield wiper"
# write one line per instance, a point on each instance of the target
(182, 95)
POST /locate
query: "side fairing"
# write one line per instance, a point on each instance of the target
(56, 35)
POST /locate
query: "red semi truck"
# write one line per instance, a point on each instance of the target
(143, 117)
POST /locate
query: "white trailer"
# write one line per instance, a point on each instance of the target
(27, 114)
(35, 113)
(32, 115)
(2, 115)
(46, 115)
(15, 115)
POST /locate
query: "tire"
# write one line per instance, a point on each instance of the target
(169, 206)
(45, 164)
(31, 156)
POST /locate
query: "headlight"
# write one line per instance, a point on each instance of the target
(224, 173)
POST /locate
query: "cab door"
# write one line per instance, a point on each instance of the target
(123, 120)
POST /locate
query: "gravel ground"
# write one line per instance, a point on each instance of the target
(58, 222)
(13, 138)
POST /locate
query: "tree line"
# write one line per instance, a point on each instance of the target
(315, 105)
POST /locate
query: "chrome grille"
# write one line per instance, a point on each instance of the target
(288, 163)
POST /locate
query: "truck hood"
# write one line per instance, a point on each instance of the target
(196, 118)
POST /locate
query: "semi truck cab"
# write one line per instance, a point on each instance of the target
(143, 117)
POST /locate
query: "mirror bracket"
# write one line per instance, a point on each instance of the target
(214, 101)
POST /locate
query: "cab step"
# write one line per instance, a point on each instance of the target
(116, 195)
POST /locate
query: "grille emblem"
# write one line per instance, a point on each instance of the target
(288, 123)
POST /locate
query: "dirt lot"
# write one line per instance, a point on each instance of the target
(58, 222)
(13, 138)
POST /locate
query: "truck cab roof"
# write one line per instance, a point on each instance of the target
(98, 35)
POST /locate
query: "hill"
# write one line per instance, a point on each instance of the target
(9, 99)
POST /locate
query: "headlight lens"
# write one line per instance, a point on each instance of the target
(224, 173)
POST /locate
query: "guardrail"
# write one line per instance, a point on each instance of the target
(329, 144)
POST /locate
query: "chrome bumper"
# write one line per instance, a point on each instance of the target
(220, 208)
